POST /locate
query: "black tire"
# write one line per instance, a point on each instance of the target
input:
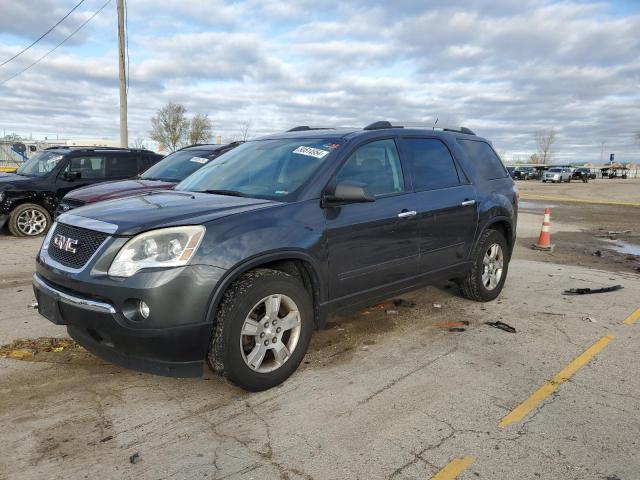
(472, 286)
(17, 217)
(225, 353)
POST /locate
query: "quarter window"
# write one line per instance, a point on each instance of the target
(431, 164)
(377, 166)
(486, 161)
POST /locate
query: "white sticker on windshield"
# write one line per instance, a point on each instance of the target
(199, 160)
(311, 152)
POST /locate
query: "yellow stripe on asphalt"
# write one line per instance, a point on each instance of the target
(454, 468)
(593, 201)
(551, 386)
(633, 318)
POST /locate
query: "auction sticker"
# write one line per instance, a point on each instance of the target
(199, 160)
(311, 152)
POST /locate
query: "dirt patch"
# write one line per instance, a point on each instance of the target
(47, 349)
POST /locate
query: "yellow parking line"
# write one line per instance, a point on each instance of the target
(454, 468)
(594, 201)
(633, 318)
(551, 386)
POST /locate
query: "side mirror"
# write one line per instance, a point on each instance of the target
(348, 192)
(71, 176)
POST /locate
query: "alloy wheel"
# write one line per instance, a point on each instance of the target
(270, 333)
(492, 265)
(32, 222)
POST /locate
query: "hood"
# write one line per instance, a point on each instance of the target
(132, 215)
(10, 180)
(118, 189)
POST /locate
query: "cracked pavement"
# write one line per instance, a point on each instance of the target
(379, 396)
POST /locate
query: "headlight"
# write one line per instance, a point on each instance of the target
(47, 239)
(166, 247)
(1, 196)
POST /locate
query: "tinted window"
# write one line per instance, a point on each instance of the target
(122, 166)
(377, 166)
(89, 167)
(487, 164)
(430, 163)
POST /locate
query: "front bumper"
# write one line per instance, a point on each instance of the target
(3, 220)
(99, 315)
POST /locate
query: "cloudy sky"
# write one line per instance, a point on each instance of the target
(502, 68)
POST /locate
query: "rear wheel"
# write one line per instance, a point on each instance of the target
(262, 329)
(29, 220)
(489, 271)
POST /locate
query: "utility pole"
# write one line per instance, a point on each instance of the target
(602, 151)
(122, 74)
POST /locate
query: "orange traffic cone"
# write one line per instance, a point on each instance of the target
(544, 241)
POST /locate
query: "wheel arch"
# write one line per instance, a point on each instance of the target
(296, 263)
(503, 225)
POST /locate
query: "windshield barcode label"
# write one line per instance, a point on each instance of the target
(311, 152)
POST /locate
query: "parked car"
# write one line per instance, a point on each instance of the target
(582, 173)
(525, 173)
(247, 256)
(163, 175)
(29, 197)
(557, 175)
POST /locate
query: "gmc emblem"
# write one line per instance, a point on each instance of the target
(65, 243)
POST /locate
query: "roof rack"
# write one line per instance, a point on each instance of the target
(386, 124)
(381, 125)
(303, 128)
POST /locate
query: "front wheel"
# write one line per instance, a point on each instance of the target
(29, 220)
(489, 271)
(262, 329)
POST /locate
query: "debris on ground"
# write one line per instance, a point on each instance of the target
(589, 319)
(135, 458)
(27, 348)
(456, 324)
(401, 302)
(501, 325)
(392, 312)
(597, 253)
(588, 291)
(457, 329)
(437, 305)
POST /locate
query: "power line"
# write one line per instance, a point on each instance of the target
(58, 45)
(43, 35)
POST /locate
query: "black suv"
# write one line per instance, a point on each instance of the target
(247, 256)
(29, 197)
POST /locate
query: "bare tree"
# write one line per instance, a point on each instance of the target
(245, 128)
(545, 139)
(139, 143)
(170, 126)
(637, 136)
(534, 158)
(200, 129)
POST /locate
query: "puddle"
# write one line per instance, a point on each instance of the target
(534, 205)
(621, 246)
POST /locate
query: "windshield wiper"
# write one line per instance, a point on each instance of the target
(230, 193)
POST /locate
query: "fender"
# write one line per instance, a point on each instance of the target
(234, 273)
(493, 221)
(47, 200)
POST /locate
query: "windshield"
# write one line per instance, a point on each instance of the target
(555, 169)
(40, 164)
(178, 166)
(271, 169)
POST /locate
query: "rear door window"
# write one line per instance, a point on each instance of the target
(122, 166)
(431, 164)
(89, 167)
(486, 162)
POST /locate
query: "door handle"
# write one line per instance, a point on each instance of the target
(408, 214)
(466, 203)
